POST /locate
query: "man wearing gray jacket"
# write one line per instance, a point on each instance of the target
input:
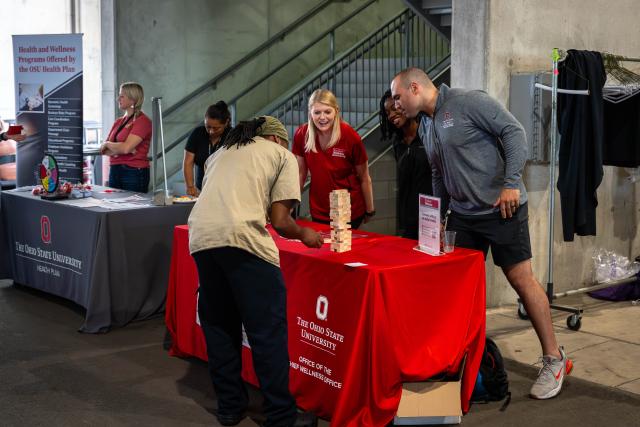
(477, 151)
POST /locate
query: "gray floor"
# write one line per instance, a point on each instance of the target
(606, 349)
(52, 375)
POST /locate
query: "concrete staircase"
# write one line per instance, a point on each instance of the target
(437, 12)
(359, 78)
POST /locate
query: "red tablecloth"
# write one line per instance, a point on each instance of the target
(357, 333)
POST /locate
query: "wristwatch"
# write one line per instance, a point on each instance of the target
(370, 214)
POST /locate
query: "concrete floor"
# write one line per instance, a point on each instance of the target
(606, 349)
(51, 375)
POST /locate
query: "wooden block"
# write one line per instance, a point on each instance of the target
(340, 199)
(340, 247)
(340, 218)
(341, 231)
(339, 224)
(341, 242)
(341, 235)
(340, 221)
(338, 234)
(341, 239)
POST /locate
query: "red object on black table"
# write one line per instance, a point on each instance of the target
(357, 333)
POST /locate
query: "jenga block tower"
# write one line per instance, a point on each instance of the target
(340, 214)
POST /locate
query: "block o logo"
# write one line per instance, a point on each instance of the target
(45, 229)
(322, 307)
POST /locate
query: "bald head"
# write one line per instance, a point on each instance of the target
(413, 75)
(413, 91)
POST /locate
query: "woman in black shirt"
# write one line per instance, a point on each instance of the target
(204, 141)
(414, 171)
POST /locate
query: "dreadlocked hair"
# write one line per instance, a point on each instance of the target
(387, 128)
(243, 133)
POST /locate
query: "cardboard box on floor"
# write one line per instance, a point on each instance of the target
(435, 401)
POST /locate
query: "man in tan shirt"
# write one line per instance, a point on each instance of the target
(253, 178)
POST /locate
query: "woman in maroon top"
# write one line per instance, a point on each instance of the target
(335, 155)
(128, 142)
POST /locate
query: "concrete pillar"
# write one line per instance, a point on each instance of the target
(109, 76)
(469, 44)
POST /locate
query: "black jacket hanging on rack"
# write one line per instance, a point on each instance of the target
(622, 133)
(581, 127)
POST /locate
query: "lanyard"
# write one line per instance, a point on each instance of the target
(122, 125)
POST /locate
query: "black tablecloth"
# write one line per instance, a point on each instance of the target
(114, 263)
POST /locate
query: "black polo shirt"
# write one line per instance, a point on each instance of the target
(198, 144)
(413, 178)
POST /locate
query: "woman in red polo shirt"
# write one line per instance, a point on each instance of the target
(334, 154)
(128, 142)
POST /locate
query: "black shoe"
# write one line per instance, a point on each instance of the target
(306, 419)
(230, 419)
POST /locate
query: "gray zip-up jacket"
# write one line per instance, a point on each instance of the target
(475, 147)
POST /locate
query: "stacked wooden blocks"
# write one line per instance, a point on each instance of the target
(340, 214)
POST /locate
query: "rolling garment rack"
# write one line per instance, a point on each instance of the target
(574, 321)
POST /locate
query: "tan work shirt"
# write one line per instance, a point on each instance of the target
(239, 186)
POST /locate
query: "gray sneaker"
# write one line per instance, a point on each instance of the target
(551, 376)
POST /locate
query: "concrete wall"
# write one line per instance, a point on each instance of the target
(174, 47)
(520, 35)
(468, 41)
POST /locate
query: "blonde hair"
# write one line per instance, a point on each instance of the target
(326, 97)
(134, 91)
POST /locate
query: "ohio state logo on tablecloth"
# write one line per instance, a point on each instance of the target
(322, 307)
(45, 229)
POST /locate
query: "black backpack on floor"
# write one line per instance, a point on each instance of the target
(492, 384)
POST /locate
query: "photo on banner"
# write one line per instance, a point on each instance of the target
(48, 93)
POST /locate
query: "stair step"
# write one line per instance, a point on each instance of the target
(440, 11)
(349, 104)
(429, 4)
(351, 117)
(382, 76)
(384, 64)
(361, 89)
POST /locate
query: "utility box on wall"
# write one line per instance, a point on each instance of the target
(532, 107)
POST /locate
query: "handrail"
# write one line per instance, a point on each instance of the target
(251, 55)
(301, 51)
(358, 75)
(337, 63)
(256, 51)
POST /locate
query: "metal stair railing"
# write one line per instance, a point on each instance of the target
(360, 76)
(212, 83)
(187, 104)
